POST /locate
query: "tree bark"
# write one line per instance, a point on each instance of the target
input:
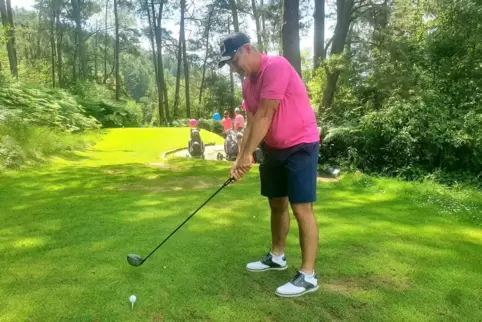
(95, 56)
(319, 37)
(343, 19)
(231, 78)
(186, 63)
(153, 49)
(52, 41)
(117, 48)
(7, 20)
(234, 10)
(76, 9)
(206, 36)
(291, 33)
(178, 74)
(105, 41)
(160, 92)
(263, 24)
(60, 36)
(160, 65)
(258, 25)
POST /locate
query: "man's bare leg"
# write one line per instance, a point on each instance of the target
(308, 229)
(280, 224)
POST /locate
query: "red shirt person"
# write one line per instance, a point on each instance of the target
(227, 122)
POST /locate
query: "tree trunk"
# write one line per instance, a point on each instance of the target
(343, 19)
(95, 54)
(117, 48)
(160, 92)
(234, 10)
(160, 65)
(231, 78)
(291, 33)
(206, 36)
(7, 20)
(59, 33)
(178, 76)
(186, 63)
(153, 49)
(76, 11)
(105, 41)
(263, 24)
(319, 37)
(52, 42)
(258, 25)
(280, 31)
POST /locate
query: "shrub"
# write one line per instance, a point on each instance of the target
(211, 125)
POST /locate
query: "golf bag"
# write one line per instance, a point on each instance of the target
(231, 145)
(195, 144)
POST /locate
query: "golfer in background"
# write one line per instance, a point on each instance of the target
(279, 116)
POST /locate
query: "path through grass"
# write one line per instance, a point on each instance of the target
(389, 251)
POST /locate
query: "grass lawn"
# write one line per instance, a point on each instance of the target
(389, 250)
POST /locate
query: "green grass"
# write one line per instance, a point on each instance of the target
(389, 250)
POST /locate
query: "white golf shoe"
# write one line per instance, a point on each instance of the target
(299, 285)
(268, 262)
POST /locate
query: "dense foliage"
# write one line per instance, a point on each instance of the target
(409, 100)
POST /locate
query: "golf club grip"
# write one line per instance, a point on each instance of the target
(214, 194)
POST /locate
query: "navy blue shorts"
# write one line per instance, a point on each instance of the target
(290, 172)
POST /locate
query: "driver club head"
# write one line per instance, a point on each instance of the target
(134, 259)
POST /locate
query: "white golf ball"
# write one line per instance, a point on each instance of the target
(132, 298)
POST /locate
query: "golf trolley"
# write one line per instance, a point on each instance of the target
(196, 146)
(230, 146)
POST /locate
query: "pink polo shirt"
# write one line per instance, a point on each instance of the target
(294, 122)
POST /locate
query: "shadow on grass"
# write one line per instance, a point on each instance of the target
(382, 256)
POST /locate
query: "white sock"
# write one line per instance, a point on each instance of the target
(277, 258)
(312, 275)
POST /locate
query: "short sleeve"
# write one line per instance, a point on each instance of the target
(276, 77)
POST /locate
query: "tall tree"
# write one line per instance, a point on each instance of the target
(117, 52)
(257, 20)
(206, 37)
(52, 39)
(291, 33)
(106, 39)
(319, 36)
(234, 10)
(59, 34)
(77, 6)
(344, 10)
(178, 70)
(7, 20)
(186, 63)
(157, 33)
(160, 65)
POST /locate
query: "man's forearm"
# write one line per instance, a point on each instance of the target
(255, 134)
(246, 132)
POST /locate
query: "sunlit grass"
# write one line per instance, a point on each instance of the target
(389, 250)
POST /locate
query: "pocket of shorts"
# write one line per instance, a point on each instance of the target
(310, 148)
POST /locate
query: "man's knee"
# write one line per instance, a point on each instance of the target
(302, 210)
(278, 205)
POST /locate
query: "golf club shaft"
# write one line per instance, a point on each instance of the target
(223, 186)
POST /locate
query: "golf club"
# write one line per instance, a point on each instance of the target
(136, 260)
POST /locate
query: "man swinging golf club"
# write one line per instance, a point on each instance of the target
(279, 115)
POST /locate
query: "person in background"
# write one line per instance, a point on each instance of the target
(238, 120)
(239, 127)
(227, 123)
